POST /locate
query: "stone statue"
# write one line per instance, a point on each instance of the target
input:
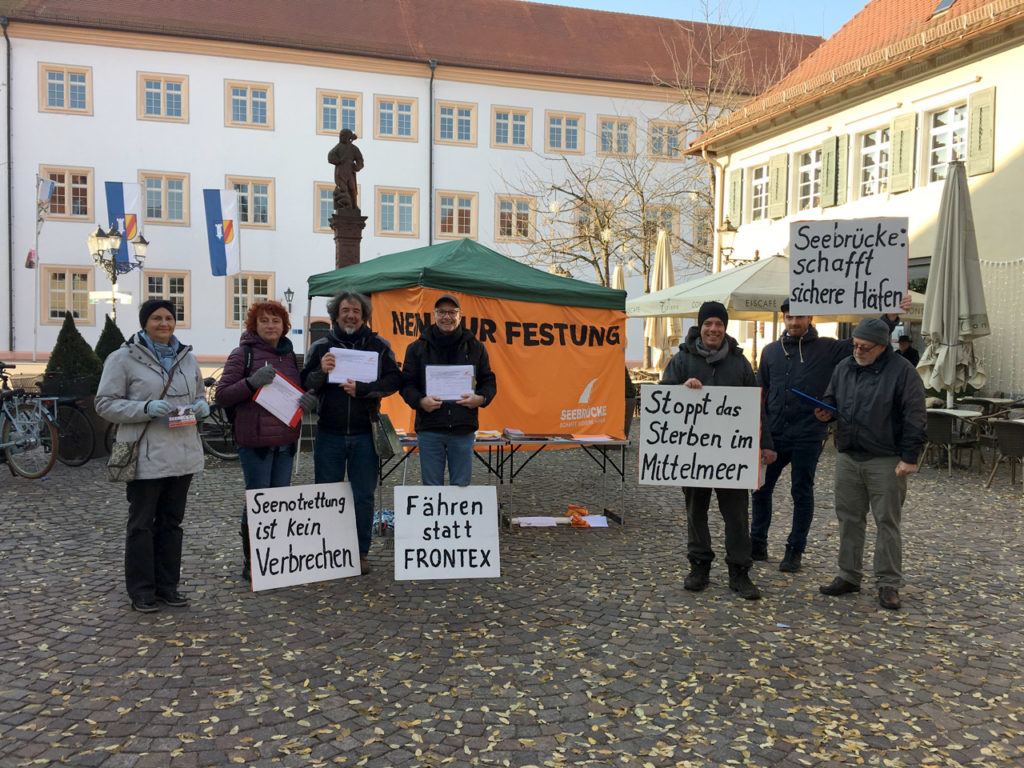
(347, 161)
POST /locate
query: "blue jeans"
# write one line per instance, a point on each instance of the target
(437, 448)
(803, 457)
(337, 457)
(274, 470)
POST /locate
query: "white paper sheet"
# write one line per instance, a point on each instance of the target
(355, 364)
(449, 382)
(281, 398)
(536, 522)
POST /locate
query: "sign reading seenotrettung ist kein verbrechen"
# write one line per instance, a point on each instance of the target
(302, 533)
(708, 437)
(848, 266)
(446, 532)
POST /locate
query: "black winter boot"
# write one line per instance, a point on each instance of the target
(699, 577)
(758, 551)
(243, 531)
(739, 581)
(791, 562)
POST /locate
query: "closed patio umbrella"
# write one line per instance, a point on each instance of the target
(662, 334)
(618, 278)
(954, 311)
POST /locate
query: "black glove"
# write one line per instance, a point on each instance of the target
(308, 402)
(261, 377)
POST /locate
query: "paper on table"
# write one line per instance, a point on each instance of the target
(537, 522)
(281, 398)
(355, 364)
(449, 382)
(591, 438)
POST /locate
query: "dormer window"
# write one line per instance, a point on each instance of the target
(944, 5)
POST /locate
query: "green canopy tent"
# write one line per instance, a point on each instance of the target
(465, 266)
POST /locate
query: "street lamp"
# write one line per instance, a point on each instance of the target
(104, 247)
(289, 294)
(727, 243)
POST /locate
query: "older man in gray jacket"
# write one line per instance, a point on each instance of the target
(878, 398)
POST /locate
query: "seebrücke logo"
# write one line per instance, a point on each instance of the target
(585, 415)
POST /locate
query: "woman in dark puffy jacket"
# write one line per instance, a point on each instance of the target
(266, 445)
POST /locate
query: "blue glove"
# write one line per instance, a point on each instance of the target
(261, 377)
(308, 402)
(201, 409)
(158, 408)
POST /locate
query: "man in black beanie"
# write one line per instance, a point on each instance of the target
(709, 356)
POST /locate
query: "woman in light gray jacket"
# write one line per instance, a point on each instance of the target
(170, 451)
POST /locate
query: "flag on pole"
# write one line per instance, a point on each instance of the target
(222, 230)
(124, 210)
(45, 190)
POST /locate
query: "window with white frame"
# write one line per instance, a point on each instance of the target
(72, 192)
(759, 193)
(323, 204)
(947, 139)
(514, 217)
(511, 127)
(617, 135)
(255, 201)
(396, 118)
(165, 197)
(565, 132)
(173, 286)
(64, 88)
(244, 289)
(808, 179)
(66, 289)
(337, 111)
(248, 105)
(874, 162)
(162, 97)
(456, 214)
(397, 211)
(456, 123)
(666, 139)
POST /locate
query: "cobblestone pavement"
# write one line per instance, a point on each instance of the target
(586, 652)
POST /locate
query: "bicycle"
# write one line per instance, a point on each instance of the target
(28, 435)
(216, 431)
(75, 432)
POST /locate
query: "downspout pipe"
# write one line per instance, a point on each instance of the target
(430, 156)
(4, 21)
(719, 218)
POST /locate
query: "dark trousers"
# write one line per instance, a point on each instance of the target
(732, 503)
(803, 458)
(337, 457)
(152, 546)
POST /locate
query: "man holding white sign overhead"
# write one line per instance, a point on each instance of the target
(344, 441)
(446, 377)
(709, 356)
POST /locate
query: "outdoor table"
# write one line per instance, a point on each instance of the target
(494, 460)
(990, 404)
(601, 449)
(960, 413)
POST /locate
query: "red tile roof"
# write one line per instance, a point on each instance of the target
(883, 36)
(505, 35)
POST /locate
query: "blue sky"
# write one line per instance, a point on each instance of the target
(808, 17)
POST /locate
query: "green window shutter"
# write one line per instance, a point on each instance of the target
(829, 154)
(901, 153)
(778, 178)
(735, 210)
(842, 167)
(981, 114)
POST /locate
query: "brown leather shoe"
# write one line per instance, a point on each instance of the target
(364, 565)
(839, 586)
(889, 597)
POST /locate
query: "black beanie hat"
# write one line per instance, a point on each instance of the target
(150, 306)
(712, 309)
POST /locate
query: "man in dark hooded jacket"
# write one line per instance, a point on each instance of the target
(710, 357)
(344, 440)
(446, 429)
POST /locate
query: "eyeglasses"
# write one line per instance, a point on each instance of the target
(447, 312)
(863, 347)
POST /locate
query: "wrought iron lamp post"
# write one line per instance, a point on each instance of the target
(104, 248)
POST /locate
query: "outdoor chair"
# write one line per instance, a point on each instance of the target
(1010, 446)
(951, 434)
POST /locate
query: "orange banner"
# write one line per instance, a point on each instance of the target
(558, 369)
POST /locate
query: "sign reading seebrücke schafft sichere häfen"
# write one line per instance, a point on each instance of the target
(708, 437)
(446, 532)
(848, 266)
(302, 533)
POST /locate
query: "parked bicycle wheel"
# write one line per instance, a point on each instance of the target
(34, 439)
(109, 436)
(76, 435)
(218, 435)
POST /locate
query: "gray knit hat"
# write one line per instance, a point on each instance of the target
(872, 329)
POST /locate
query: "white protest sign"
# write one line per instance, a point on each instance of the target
(848, 266)
(301, 534)
(707, 437)
(446, 532)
